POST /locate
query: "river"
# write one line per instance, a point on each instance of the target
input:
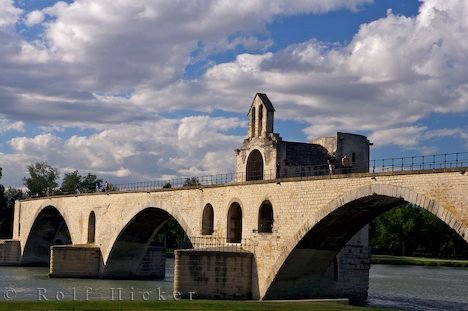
(412, 288)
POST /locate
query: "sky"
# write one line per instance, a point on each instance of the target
(136, 90)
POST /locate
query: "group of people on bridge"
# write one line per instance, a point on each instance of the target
(345, 164)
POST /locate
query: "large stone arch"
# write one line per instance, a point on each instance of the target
(49, 227)
(390, 196)
(133, 240)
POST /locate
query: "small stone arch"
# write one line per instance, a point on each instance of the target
(255, 167)
(395, 195)
(208, 220)
(265, 217)
(234, 224)
(91, 228)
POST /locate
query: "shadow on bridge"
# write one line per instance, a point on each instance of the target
(134, 254)
(332, 259)
(48, 229)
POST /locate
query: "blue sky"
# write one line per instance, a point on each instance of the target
(139, 91)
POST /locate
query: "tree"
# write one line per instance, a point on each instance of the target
(167, 185)
(71, 182)
(42, 177)
(411, 230)
(7, 205)
(88, 182)
(3, 213)
(191, 182)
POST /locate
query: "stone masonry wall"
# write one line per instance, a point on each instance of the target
(297, 206)
(10, 252)
(213, 274)
(79, 261)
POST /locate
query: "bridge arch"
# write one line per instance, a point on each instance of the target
(350, 211)
(133, 241)
(208, 220)
(255, 166)
(49, 228)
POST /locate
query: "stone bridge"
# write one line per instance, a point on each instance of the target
(297, 233)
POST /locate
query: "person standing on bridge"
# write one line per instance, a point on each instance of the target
(331, 164)
(345, 164)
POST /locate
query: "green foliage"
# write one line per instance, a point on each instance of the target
(74, 181)
(167, 185)
(88, 182)
(191, 182)
(173, 234)
(7, 205)
(42, 176)
(71, 182)
(413, 231)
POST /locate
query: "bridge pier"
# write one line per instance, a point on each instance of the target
(10, 252)
(213, 273)
(75, 261)
(85, 261)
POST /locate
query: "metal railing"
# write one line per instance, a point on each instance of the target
(223, 244)
(400, 164)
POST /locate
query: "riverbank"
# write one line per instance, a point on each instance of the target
(418, 261)
(205, 305)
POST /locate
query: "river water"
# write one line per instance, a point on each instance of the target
(403, 287)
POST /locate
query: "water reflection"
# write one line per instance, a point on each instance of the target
(412, 288)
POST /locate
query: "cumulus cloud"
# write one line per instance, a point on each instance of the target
(396, 71)
(7, 125)
(8, 13)
(115, 66)
(165, 148)
(448, 132)
(92, 56)
(34, 18)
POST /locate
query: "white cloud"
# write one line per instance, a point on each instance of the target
(396, 71)
(196, 145)
(448, 132)
(7, 125)
(114, 66)
(405, 136)
(8, 13)
(34, 18)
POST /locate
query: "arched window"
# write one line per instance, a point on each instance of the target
(91, 228)
(260, 120)
(208, 220)
(252, 130)
(265, 217)
(234, 224)
(255, 166)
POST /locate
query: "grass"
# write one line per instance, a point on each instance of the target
(195, 305)
(420, 261)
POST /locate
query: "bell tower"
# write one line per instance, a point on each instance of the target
(261, 115)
